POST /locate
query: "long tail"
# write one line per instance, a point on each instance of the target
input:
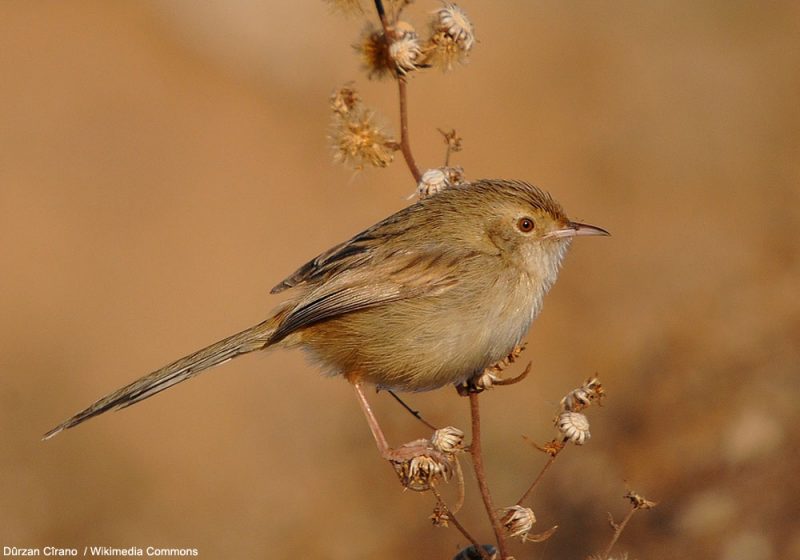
(254, 338)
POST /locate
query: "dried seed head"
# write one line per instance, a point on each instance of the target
(574, 426)
(517, 520)
(436, 180)
(357, 141)
(431, 182)
(405, 50)
(344, 100)
(374, 50)
(578, 399)
(422, 471)
(448, 440)
(454, 21)
(452, 37)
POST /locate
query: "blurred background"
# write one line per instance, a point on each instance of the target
(164, 164)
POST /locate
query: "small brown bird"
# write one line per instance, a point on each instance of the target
(428, 297)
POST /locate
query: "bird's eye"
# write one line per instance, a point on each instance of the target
(525, 225)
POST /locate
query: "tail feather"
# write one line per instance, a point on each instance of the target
(254, 338)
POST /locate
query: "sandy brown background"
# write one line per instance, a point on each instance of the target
(163, 164)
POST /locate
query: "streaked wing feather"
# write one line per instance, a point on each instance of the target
(400, 277)
(354, 252)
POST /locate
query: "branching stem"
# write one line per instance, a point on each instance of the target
(452, 518)
(539, 477)
(618, 528)
(402, 90)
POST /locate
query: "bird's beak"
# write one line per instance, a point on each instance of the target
(574, 229)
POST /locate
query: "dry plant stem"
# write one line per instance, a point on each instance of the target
(480, 474)
(415, 413)
(618, 528)
(539, 477)
(462, 493)
(405, 143)
(382, 16)
(447, 156)
(452, 518)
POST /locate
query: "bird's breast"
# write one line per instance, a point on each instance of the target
(425, 343)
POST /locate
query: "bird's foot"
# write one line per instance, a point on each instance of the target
(490, 377)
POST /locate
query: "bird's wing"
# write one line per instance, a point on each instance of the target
(355, 252)
(399, 277)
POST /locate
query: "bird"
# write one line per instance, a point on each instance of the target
(428, 297)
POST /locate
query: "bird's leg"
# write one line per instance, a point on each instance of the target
(372, 421)
(417, 463)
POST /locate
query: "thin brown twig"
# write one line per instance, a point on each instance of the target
(452, 518)
(552, 449)
(535, 483)
(402, 90)
(382, 16)
(405, 143)
(618, 528)
(453, 142)
(480, 474)
(462, 492)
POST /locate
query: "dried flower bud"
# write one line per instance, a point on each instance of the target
(448, 440)
(357, 141)
(574, 426)
(344, 100)
(639, 502)
(440, 516)
(452, 37)
(517, 520)
(452, 139)
(578, 399)
(552, 448)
